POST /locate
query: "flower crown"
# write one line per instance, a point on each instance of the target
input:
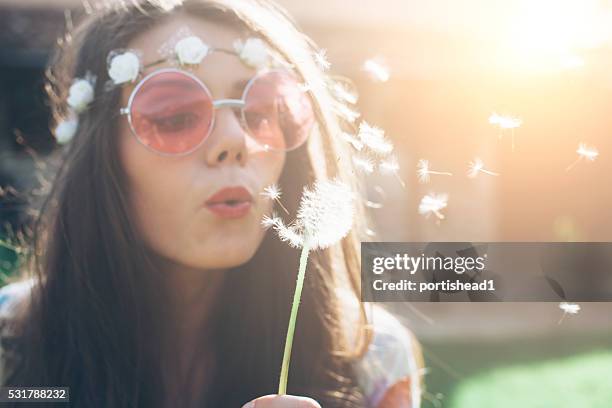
(126, 66)
(371, 149)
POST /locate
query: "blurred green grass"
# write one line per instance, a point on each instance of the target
(548, 371)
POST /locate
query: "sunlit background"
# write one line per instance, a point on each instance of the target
(434, 75)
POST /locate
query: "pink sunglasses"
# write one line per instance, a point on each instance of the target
(172, 112)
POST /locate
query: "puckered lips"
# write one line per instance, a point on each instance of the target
(230, 202)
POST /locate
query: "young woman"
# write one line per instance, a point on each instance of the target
(155, 284)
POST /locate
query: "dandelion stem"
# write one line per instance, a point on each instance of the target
(571, 166)
(491, 173)
(562, 317)
(282, 206)
(441, 173)
(282, 386)
(400, 180)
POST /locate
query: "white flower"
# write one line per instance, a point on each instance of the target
(80, 95)
(374, 138)
(325, 216)
(191, 50)
(432, 204)
(253, 52)
(423, 171)
(66, 129)
(124, 67)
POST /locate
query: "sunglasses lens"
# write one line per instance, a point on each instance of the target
(171, 113)
(277, 111)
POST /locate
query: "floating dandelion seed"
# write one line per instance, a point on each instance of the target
(391, 166)
(311, 84)
(477, 166)
(377, 205)
(373, 204)
(348, 114)
(324, 217)
(424, 172)
(568, 308)
(374, 138)
(506, 122)
(358, 145)
(432, 204)
(376, 70)
(273, 192)
(320, 58)
(340, 90)
(584, 152)
(269, 220)
(364, 164)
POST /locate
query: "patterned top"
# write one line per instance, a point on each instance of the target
(388, 373)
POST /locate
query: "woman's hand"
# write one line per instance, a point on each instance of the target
(282, 401)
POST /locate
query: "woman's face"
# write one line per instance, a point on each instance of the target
(168, 193)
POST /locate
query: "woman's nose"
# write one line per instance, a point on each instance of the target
(227, 141)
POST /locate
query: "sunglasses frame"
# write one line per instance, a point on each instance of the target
(216, 104)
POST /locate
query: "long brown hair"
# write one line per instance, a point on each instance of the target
(91, 323)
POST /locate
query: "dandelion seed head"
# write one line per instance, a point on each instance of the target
(589, 153)
(374, 138)
(571, 308)
(289, 234)
(432, 203)
(326, 212)
(376, 70)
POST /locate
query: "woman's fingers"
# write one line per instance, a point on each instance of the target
(282, 401)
